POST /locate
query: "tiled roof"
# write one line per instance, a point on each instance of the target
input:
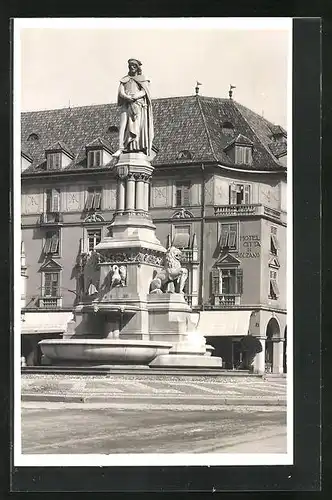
(192, 123)
(240, 139)
(99, 141)
(60, 146)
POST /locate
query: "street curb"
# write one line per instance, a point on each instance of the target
(57, 398)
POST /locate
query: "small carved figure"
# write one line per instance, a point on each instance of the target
(116, 278)
(123, 275)
(173, 277)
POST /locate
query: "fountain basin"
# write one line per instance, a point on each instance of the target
(105, 351)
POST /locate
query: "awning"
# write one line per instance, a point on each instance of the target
(45, 322)
(223, 323)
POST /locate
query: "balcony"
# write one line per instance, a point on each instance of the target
(51, 219)
(246, 210)
(227, 300)
(50, 302)
(188, 255)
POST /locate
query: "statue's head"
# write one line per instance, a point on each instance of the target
(173, 255)
(134, 66)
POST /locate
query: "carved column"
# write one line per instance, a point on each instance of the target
(130, 194)
(121, 195)
(140, 193)
(146, 194)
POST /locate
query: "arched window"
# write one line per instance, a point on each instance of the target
(33, 137)
(113, 129)
(227, 128)
(184, 155)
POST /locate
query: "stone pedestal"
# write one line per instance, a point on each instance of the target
(169, 320)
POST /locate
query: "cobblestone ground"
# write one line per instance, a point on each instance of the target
(138, 386)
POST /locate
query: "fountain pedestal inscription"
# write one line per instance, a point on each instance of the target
(132, 308)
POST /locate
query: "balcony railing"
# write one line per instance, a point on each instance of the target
(188, 255)
(50, 218)
(50, 302)
(246, 210)
(227, 300)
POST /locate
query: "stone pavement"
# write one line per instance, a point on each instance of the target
(125, 427)
(134, 387)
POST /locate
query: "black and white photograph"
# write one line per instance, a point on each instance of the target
(153, 241)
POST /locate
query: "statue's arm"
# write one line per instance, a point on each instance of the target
(123, 94)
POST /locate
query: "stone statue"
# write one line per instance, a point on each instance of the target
(173, 277)
(136, 120)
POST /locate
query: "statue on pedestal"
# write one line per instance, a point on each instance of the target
(173, 277)
(136, 120)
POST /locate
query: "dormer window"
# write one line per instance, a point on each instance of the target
(240, 150)
(227, 128)
(184, 155)
(58, 156)
(33, 137)
(94, 158)
(98, 152)
(113, 129)
(53, 161)
(243, 154)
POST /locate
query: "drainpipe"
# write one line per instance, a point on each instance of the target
(202, 252)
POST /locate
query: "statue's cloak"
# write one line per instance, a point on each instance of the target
(143, 83)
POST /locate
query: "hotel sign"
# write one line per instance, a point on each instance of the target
(250, 246)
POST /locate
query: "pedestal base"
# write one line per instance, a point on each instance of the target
(186, 361)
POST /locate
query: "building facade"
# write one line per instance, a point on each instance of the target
(218, 192)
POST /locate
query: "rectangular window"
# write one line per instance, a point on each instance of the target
(54, 161)
(94, 158)
(243, 155)
(182, 198)
(51, 284)
(227, 281)
(181, 236)
(239, 194)
(228, 236)
(94, 237)
(52, 200)
(274, 289)
(52, 242)
(93, 200)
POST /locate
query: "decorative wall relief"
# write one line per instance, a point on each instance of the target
(142, 256)
(73, 201)
(32, 202)
(159, 194)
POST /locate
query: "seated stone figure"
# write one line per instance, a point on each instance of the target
(173, 277)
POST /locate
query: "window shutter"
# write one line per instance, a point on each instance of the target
(186, 194)
(83, 245)
(48, 200)
(239, 281)
(89, 201)
(55, 243)
(215, 276)
(232, 195)
(48, 243)
(275, 288)
(275, 242)
(55, 200)
(224, 239)
(47, 283)
(247, 196)
(232, 239)
(97, 200)
(178, 201)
